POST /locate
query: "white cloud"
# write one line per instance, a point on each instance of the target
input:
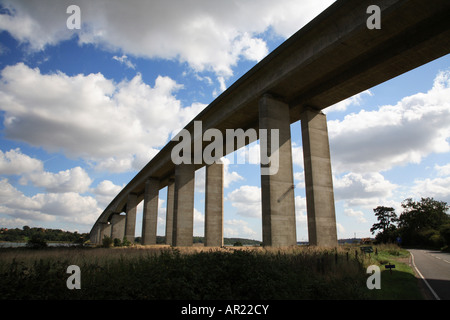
(438, 188)
(31, 170)
(10, 197)
(105, 192)
(71, 180)
(91, 117)
(300, 210)
(239, 228)
(393, 135)
(208, 35)
(358, 215)
(300, 177)
(14, 162)
(228, 177)
(246, 200)
(297, 155)
(69, 206)
(344, 104)
(367, 185)
(125, 60)
(443, 170)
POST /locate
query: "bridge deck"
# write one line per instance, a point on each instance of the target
(333, 57)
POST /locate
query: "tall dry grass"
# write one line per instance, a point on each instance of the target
(162, 272)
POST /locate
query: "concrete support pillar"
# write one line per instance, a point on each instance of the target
(214, 205)
(183, 213)
(277, 190)
(130, 224)
(150, 212)
(94, 236)
(105, 231)
(117, 226)
(318, 179)
(169, 210)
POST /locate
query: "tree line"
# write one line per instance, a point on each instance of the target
(424, 223)
(26, 234)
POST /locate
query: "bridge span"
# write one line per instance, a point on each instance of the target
(332, 58)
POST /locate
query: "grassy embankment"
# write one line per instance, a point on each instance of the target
(200, 273)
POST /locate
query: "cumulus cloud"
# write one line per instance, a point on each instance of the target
(393, 135)
(31, 170)
(208, 35)
(105, 191)
(362, 186)
(246, 200)
(443, 170)
(71, 180)
(69, 206)
(438, 188)
(344, 104)
(14, 162)
(116, 126)
(358, 215)
(239, 228)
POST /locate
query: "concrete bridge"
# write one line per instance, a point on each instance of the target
(332, 58)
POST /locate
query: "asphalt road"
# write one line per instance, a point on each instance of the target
(434, 268)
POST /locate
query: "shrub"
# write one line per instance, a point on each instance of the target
(36, 242)
(107, 242)
(445, 233)
(117, 242)
(126, 242)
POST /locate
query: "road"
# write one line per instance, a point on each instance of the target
(434, 268)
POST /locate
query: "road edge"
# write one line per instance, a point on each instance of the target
(427, 292)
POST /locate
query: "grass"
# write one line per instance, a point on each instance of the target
(198, 273)
(398, 284)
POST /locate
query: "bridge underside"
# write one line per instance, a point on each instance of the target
(332, 58)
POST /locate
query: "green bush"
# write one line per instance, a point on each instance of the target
(36, 242)
(445, 234)
(117, 242)
(107, 242)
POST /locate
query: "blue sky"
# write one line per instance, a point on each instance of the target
(83, 110)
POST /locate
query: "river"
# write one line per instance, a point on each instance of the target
(23, 244)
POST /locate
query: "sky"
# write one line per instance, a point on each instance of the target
(83, 110)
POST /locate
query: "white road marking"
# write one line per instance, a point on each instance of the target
(426, 282)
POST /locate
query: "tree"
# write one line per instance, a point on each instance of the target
(386, 218)
(421, 220)
(426, 214)
(445, 234)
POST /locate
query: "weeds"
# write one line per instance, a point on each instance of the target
(191, 273)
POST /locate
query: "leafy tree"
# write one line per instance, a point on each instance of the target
(445, 234)
(426, 214)
(421, 220)
(386, 218)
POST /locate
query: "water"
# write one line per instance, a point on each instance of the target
(23, 244)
